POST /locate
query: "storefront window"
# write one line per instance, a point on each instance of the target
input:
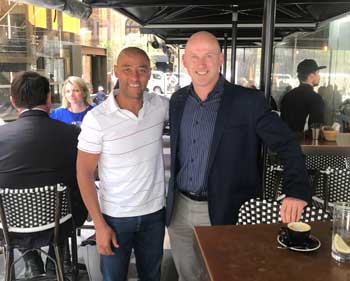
(329, 45)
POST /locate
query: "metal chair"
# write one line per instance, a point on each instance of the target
(337, 188)
(33, 210)
(273, 176)
(273, 181)
(319, 165)
(267, 211)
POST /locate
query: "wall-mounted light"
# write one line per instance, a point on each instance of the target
(155, 43)
(325, 48)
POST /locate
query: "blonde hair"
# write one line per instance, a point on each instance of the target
(83, 87)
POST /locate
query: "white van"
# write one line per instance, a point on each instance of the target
(157, 83)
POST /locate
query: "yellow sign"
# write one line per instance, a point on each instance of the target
(37, 16)
(70, 24)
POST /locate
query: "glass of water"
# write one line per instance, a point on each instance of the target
(341, 232)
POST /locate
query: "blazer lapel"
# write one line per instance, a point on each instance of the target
(223, 112)
(177, 111)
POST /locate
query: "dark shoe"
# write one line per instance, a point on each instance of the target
(51, 269)
(34, 265)
(50, 266)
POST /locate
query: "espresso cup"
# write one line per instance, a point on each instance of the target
(298, 233)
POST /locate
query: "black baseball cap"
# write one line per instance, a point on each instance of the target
(308, 66)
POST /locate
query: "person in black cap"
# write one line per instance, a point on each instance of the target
(303, 104)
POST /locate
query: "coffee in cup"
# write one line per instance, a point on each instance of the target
(298, 233)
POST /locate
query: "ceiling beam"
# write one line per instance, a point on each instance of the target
(179, 3)
(160, 3)
(228, 25)
(221, 38)
(289, 12)
(169, 16)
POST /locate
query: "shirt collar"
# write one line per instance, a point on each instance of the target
(306, 85)
(33, 112)
(216, 91)
(113, 106)
(34, 108)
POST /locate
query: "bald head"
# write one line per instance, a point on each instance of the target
(203, 59)
(203, 37)
(133, 51)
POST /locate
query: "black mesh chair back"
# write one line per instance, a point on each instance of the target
(323, 161)
(267, 211)
(336, 188)
(273, 177)
(273, 181)
(319, 164)
(339, 185)
(32, 210)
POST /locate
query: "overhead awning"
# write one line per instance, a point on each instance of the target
(175, 20)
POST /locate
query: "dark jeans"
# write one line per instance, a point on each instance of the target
(144, 234)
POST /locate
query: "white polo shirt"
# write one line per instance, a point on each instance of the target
(130, 166)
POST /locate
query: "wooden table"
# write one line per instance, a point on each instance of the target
(324, 147)
(250, 253)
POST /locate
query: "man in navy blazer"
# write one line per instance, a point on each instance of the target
(38, 151)
(216, 131)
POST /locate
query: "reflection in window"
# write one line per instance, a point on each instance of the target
(329, 45)
(131, 27)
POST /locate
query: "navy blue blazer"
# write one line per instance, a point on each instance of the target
(244, 120)
(36, 150)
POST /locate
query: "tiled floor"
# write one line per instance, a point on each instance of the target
(168, 269)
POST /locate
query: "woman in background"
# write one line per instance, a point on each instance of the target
(76, 102)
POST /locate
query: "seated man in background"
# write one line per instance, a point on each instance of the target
(37, 151)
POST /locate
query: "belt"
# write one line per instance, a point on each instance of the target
(193, 196)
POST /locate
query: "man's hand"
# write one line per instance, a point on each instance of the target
(291, 209)
(105, 238)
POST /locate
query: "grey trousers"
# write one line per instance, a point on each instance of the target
(187, 214)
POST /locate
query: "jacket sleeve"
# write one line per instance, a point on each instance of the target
(280, 139)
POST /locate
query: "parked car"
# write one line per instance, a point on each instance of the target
(166, 84)
(282, 80)
(176, 82)
(157, 82)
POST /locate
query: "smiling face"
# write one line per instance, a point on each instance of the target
(202, 60)
(133, 71)
(73, 94)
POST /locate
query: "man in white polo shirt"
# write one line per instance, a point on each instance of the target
(123, 135)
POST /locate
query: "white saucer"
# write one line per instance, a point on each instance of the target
(313, 244)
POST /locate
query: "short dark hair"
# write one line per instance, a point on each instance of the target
(29, 89)
(302, 76)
